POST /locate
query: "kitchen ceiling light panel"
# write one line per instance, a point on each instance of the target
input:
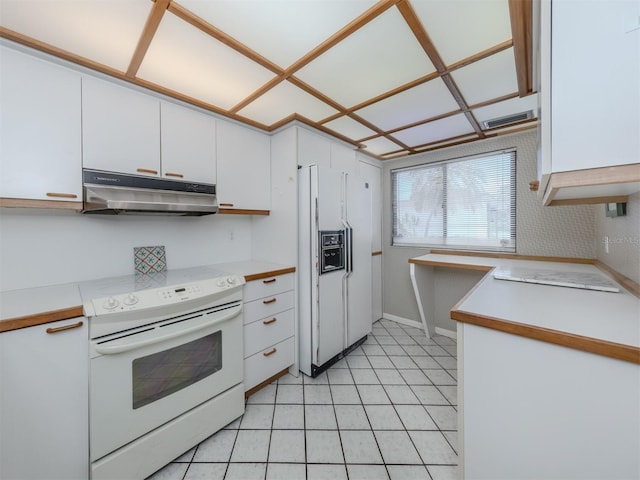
(462, 28)
(381, 145)
(201, 67)
(349, 128)
(506, 107)
(433, 131)
(380, 56)
(282, 101)
(492, 77)
(419, 103)
(282, 31)
(84, 28)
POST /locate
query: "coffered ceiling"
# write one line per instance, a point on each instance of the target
(392, 77)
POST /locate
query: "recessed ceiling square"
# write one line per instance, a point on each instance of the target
(281, 31)
(381, 145)
(433, 131)
(489, 78)
(462, 28)
(104, 32)
(349, 128)
(185, 59)
(284, 100)
(419, 103)
(380, 56)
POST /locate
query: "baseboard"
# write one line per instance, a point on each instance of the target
(404, 321)
(412, 323)
(446, 333)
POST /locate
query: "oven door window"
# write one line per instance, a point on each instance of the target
(160, 374)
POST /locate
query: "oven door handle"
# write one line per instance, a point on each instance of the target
(106, 349)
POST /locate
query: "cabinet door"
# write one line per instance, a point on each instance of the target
(243, 168)
(44, 402)
(40, 140)
(120, 129)
(343, 158)
(595, 120)
(188, 144)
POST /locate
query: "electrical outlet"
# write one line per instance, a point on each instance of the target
(606, 244)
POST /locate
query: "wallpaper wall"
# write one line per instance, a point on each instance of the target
(565, 231)
(624, 239)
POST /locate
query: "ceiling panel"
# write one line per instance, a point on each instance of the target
(462, 28)
(492, 77)
(187, 60)
(433, 131)
(269, 27)
(373, 53)
(284, 100)
(83, 28)
(381, 145)
(379, 57)
(507, 107)
(419, 103)
(349, 128)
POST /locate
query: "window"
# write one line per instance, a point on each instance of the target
(465, 203)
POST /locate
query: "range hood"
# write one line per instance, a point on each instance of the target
(117, 193)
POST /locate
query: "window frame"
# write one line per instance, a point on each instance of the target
(512, 248)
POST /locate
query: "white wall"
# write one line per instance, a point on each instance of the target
(45, 247)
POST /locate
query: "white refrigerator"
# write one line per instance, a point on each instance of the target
(334, 248)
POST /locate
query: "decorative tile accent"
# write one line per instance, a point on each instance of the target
(149, 260)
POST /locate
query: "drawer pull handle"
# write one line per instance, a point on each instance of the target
(147, 170)
(271, 280)
(269, 322)
(61, 195)
(270, 352)
(177, 175)
(226, 204)
(271, 300)
(66, 327)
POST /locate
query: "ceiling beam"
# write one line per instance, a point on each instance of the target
(148, 32)
(409, 15)
(521, 15)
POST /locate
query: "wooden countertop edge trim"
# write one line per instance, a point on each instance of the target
(41, 318)
(605, 348)
(515, 256)
(626, 282)
(271, 273)
(462, 266)
(240, 211)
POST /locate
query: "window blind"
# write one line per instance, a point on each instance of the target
(466, 203)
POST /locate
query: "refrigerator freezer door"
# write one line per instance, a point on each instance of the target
(359, 282)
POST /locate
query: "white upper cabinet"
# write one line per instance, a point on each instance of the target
(188, 144)
(120, 129)
(589, 110)
(243, 168)
(40, 129)
(343, 158)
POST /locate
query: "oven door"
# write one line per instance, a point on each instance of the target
(145, 377)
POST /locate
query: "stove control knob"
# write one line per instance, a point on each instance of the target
(221, 283)
(110, 303)
(231, 280)
(130, 299)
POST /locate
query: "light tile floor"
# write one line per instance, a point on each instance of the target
(386, 411)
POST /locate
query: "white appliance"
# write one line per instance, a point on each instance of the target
(334, 248)
(166, 366)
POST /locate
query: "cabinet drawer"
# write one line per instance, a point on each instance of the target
(267, 286)
(267, 331)
(267, 306)
(262, 365)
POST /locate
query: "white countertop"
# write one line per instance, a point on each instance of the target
(608, 316)
(41, 300)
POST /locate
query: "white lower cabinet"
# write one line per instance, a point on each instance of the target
(44, 422)
(269, 327)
